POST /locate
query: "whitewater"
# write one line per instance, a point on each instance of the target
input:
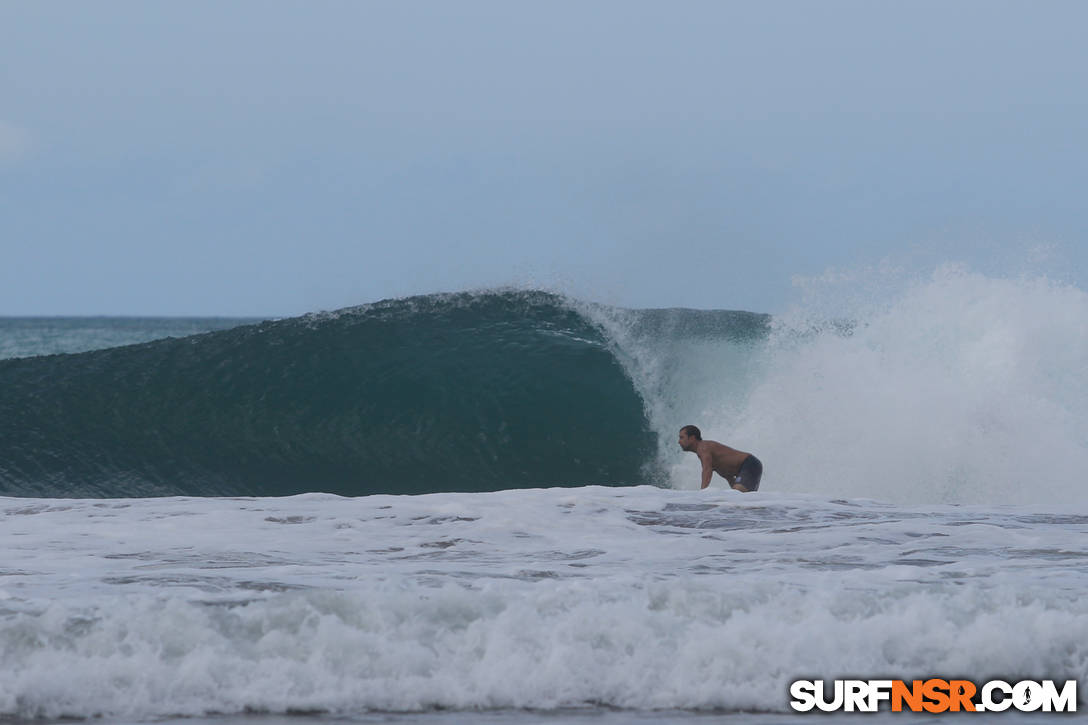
(922, 514)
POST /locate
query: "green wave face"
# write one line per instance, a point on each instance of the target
(466, 392)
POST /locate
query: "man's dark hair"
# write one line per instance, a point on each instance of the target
(692, 432)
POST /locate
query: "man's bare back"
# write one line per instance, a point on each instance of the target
(741, 469)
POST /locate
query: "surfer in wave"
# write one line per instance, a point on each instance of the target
(742, 470)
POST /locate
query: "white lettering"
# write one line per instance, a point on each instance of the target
(1066, 701)
(987, 695)
(866, 695)
(879, 690)
(822, 701)
(1027, 696)
(855, 695)
(803, 693)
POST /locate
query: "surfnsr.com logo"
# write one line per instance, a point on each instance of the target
(933, 695)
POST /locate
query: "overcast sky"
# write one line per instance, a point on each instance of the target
(273, 158)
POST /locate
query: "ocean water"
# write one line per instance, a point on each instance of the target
(471, 508)
(28, 336)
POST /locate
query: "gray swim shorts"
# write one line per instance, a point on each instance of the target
(750, 473)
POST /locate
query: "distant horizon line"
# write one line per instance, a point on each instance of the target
(139, 317)
(479, 290)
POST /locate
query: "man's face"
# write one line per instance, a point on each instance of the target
(686, 442)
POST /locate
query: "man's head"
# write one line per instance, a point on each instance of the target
(690, 437)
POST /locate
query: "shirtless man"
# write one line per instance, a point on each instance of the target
(742, 470)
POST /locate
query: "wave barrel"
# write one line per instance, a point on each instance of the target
(466, 392)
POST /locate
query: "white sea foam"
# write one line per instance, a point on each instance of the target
(632, 598)
(964, 388)
(954, 388)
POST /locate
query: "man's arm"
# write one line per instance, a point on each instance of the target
(708, 467)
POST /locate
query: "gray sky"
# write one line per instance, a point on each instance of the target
(268, 157)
